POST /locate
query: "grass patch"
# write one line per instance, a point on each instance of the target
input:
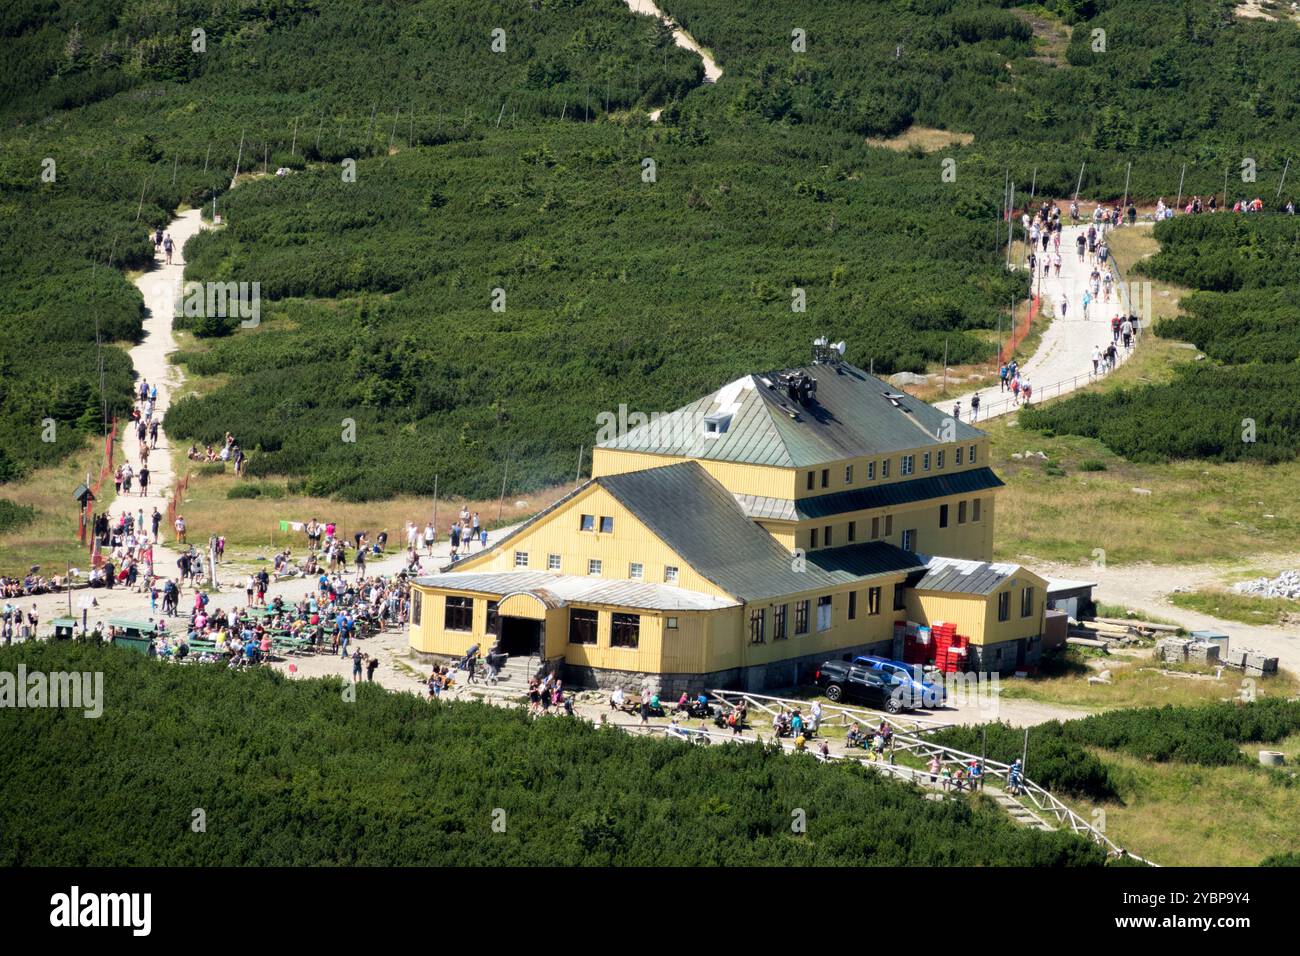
(1231, 606)
(1182, 815)
(922, 139)
(1136, 681)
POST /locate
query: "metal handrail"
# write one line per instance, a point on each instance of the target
(1043, 799)
(764, 703)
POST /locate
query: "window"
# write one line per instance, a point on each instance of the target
(636, 570)
(826, 477)
(671, 624)
(900, 596)
(587, 523)
(493, 619)
(975, 509)
(813, 538)
(716, 424)
(884, 468)
(582, 625)
(1004, 606)
(552, 562)
(824, 612)
(670, 575)
(827, 536)
(889, 525)
(417, 599)
(909, 539)
(757, 626)
(625, 630)
(971, 457)
(778, 622)
(811, 479)
(848, 474)
(1027, 602)
(606, 525)
(909, 462)
(521, 559)
(594, 566)
(853, 605)
(957, 457)
(873, 601)
(938, 461)
(961, 512)
(871, 471)
(943, 516)
(459, 615)
(853, 531)
(925, 462)
(801, 618)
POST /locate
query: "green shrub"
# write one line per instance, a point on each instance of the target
(14, 516)
(1092, 464)
(396, 780)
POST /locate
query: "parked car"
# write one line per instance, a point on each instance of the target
(924, 693)
(841, 680)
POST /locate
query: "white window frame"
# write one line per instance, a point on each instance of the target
(672, 574)
(552, 562)
(636, 571)
(521, 563)
(908, 465)
(594, 567)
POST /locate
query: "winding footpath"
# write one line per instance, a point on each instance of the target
(1063, 361)
(712, 72)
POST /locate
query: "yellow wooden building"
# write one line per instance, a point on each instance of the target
(784, 519)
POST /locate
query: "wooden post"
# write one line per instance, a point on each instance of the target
(1079, 184)
(206, 157)
(1128, 171)
(175, 162)
(293, 146)
(1011, 206)
(435, 509)
(945, 365)
(1178, 203)
(1283, 179)
(581, 449)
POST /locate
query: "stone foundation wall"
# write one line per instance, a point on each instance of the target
(756, 678)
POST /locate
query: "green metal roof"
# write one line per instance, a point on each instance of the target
(852, 415)
(700, 520)
(898, 493)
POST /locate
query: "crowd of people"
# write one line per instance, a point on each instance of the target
(464, 533)
(230, 451)
(327, 620)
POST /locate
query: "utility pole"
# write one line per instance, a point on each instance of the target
(1225, 188)
(1178, 203)
(502, 503)
(1079, 184)
(293, 146)
(1127, 173)
(238, 159)
(581, 450)
(1011, 205)
(945, 365)
(1283, 179)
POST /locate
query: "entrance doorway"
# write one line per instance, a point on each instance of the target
(521, 636)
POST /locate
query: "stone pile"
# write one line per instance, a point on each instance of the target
(1285, 585)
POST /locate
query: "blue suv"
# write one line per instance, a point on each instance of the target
(925, 693)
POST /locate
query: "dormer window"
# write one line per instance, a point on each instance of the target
(715, 425)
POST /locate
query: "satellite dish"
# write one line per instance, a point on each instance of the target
(839, 347)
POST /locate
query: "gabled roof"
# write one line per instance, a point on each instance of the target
(700, 520)
(964, 577)
(852, 414)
